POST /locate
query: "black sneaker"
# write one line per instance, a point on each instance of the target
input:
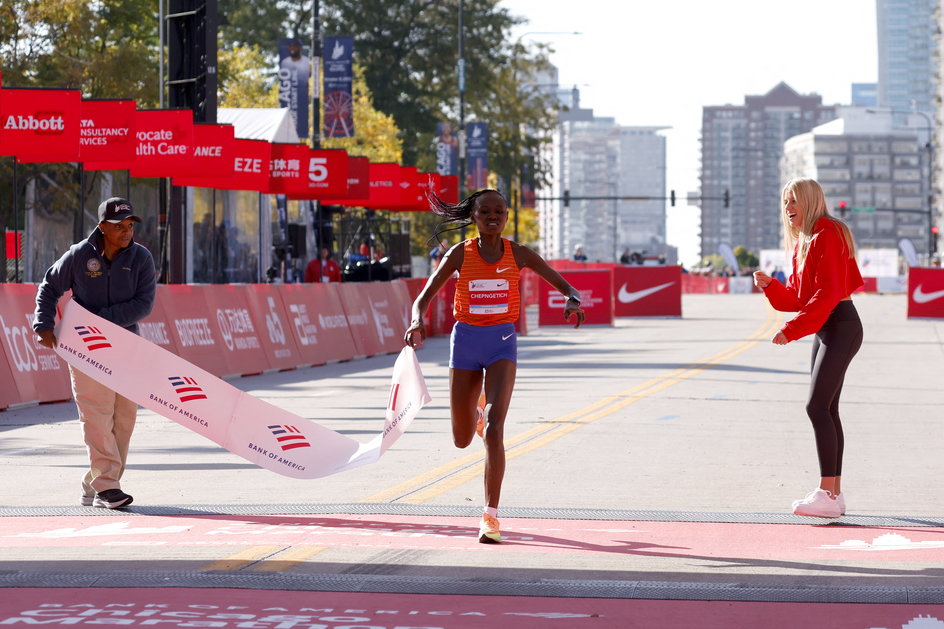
(112, 499)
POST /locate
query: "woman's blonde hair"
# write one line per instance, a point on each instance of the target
(809, 196)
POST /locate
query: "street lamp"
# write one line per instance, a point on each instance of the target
(929, 127)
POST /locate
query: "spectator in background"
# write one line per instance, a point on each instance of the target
(323, 268)
(579, 255)
(625, 257)
(113, 277)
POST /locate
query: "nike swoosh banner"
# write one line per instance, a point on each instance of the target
(259, 432)
(925, 292)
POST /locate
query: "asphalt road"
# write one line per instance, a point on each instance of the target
(664, 453)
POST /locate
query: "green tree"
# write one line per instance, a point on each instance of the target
(746, 259)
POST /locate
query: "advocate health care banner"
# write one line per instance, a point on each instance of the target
(255, 430)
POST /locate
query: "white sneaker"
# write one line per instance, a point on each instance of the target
(842, 503)
(819, 503)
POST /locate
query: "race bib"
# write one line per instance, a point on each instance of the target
(488, 297)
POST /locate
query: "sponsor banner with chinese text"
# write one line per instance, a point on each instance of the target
(232, 323)
(40, 125)
(926, 292)
(596, 294)
(648, 291)
(261, 433)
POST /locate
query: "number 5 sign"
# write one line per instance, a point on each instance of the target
(326, 176)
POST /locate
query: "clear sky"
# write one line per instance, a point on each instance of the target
(658, 62)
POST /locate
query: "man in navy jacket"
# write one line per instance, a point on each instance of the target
(113, 277)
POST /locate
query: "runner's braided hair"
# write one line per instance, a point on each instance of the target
(455, 216)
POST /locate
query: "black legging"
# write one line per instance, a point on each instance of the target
(833, 348)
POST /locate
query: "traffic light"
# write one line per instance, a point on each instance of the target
(842, 209)
(672, 198)
(935, 230)
(566, 198)
(727, 198)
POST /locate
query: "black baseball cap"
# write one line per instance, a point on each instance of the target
(115, 210)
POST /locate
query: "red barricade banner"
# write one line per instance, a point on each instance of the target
(40, 125)
(317, 322)
(648, 291)
(596, 293)
(403, 305)
(440, 310)
(230, 318)
(355, 300)
(157, 326)
(197, 340)
(272, 322)
(108, 131)
(386, 312)
(8, 393)
(926, 292)
(37, 372)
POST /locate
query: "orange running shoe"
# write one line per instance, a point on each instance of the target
(480, 422)
(488, 530)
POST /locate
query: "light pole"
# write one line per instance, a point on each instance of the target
(929, 145)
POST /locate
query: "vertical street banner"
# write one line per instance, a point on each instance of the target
(294, 72)
(261, 433)
(477, 151)
(338, 78)
(447, 150)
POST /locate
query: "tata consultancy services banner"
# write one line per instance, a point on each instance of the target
(477, 152)
(255, 430)
(294, 72)
(338, 77)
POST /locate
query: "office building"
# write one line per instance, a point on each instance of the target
(741, 147)
(873, 172)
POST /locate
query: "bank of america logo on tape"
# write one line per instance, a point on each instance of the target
(186, 389)
(92, 337)
(289, 437)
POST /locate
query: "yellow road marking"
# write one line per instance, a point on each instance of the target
(242, 558)
(439, 480)
(289, 559)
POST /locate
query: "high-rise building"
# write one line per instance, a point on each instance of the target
(741, 147)
(864, 95)
(873, 173)
(905, 54)
(599, 158)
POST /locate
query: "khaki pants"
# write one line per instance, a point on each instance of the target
(107, 423)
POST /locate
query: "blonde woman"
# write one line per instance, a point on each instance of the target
(824, 276)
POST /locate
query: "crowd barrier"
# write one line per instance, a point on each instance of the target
(231, 330)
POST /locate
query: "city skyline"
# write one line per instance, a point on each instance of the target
(661, 63)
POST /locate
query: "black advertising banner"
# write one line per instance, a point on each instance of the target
(294, 72)
(338, 77)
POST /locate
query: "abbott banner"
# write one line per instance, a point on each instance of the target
(255, 430)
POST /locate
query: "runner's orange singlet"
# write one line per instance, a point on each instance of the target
(487, 294)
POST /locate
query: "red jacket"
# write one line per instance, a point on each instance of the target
(330, 273)
(829, 276)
